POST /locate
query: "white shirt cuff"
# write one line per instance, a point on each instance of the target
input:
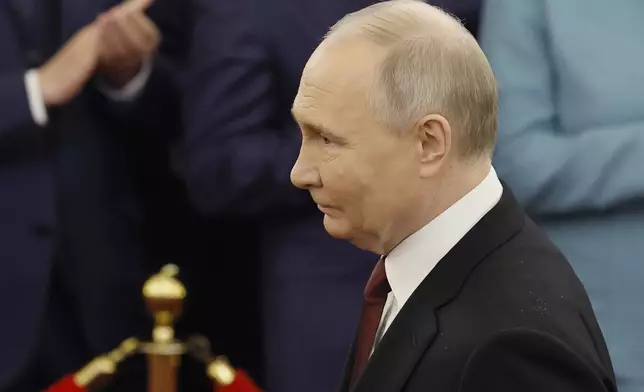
(132, 89)
(35, 98)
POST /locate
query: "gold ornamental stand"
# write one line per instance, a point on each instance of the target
(164, 295)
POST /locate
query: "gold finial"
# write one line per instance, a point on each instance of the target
(164, 295)
(105, 365)
(127, 348)
(165, 285)
(221, 371)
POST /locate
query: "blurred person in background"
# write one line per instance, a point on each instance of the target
(571, 144)
(76, 80)
(240, 144)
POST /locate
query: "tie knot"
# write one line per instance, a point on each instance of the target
(378, 285)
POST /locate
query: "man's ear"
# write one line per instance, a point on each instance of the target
(435, 142)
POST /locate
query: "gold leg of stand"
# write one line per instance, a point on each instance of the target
(162, 373)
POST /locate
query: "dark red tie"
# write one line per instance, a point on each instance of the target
(375, 296)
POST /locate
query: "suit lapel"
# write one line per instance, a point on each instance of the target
(416, 326)
(74, 13)
(24, 16)
(345, 383)
(25, 8)
(395, 357)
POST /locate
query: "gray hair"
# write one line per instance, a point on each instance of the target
(433, 65)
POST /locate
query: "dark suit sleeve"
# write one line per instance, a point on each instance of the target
(238, 156)
(154, 104)
(529, 361)
(14, 103)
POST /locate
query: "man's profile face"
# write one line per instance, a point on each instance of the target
(356, 171)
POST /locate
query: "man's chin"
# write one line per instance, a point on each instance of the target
(342, 230)
(337, 228)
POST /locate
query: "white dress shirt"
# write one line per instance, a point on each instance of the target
(127, 93)
(409, 263)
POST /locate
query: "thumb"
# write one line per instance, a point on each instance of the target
(136, 5)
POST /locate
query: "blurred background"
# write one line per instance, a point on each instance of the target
(135, 134)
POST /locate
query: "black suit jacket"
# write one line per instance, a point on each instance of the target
(502, 311)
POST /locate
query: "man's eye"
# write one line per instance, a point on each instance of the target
(326, 140)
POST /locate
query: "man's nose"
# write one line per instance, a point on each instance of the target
(304, 175)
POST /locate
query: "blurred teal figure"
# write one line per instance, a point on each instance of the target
(571, 145)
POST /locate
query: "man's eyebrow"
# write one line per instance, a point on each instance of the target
(317, 128)
(322, 130)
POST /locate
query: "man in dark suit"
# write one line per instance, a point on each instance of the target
(240, 144)
(398, 113)
(73, 75)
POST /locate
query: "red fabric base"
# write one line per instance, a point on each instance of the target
(242, 383)
(65, 384)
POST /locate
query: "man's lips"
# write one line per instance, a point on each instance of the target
(325, 208)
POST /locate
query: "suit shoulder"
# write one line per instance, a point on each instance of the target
(528, 260)
(528, 275)
(528, 283)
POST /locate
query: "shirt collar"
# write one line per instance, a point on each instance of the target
(409, 263)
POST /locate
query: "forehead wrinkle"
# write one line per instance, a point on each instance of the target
(315, 87)
(311, 96)
(305, 103)
(307, 100)
(310, 119)
(300, 110)
(301, 106)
